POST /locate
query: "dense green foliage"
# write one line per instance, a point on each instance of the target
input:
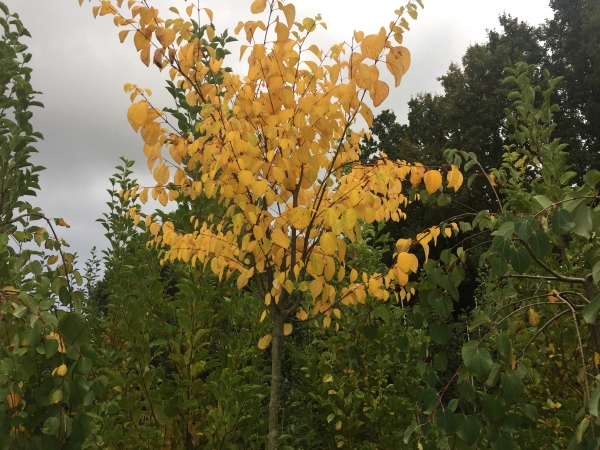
(137, 354)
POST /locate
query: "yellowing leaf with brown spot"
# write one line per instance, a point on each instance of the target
(137, 114)
(534, 317)
(328, 243)
(433, 181)
(258, 6)
(280, 238)
(372, 45)
(287, 329)
(397, 62)
(299, 217)
(264, 341)
(380, 92)
(552, 297)
(166, 36)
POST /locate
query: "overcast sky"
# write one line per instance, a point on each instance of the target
(80, 67)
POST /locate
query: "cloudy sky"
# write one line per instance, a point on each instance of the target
(80, 67)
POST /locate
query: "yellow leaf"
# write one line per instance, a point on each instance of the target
(397, 61)
(289, 11)
(161, 174)
(287, 329)
(402, 245)
(215, 64)
(455, 178)
(349, 218)
(316, 287)
(327, 379)
(245, 177)
(258, 6)
(338, 425)
(380, 92)
(280, 238)
(552, 296)
(137, 114)
(61, 371)
(433, 181)
(299, 217)
(407, 262)
(264, 341)
(13, 400)
(353, 275)
(166, 36)
(372, 45)
(123, 34)
(263, 315)
(328, 243)
(534, 317)
(301, 314)
(596, 359)
(62, 223)
(209, 13)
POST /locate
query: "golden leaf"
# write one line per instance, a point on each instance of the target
(372, 45)
(299, 217)
(62, 223)
(13, 400)
(123, 34)
(61, 370)
(289, 11)
(301, 314)
(406, 262)
(380, 92)
(166, 36)
(264, 341)
(316, 287)
(137, 114)
(353, 275)
(328, 243)
(280, 238)
(258, 6)
(433, 181)
(552, 297)
(534, 317)
(263, 315)
(215, 64)
(398, 61)
(349, 218)
(455, 178)
(245, 177)
(287, 329)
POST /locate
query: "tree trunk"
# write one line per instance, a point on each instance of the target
(275, 400)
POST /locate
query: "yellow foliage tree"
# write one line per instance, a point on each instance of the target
(277, 151)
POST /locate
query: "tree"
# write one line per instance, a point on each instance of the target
(276, 148)
(47, 379)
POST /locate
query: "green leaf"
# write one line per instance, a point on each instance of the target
(84, 365)
(592, 177)
(468, 428)
(539, 243)
(506, 229)
(502, 246)
(50, 347)
(479, 319)
(64, 296)
(590, 312)
(542, 202)
(71, 325)
(370, 332)
(430, 399)
(440, 361)
(523, 228)
(446, 422)
(499, 266)
(402, 343)
(596, 272)
(594, 399)
(503, 345)
(520, 259)
(512, 386)
(502, 442)
(409, 431)
(494, 407)
(478, 361)
(583, 221)
(467, 390)
(51, 425)
(562, 222)
(440, 333)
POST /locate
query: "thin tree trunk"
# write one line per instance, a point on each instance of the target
(275, 400)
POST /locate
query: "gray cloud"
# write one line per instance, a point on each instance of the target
(80, 67)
